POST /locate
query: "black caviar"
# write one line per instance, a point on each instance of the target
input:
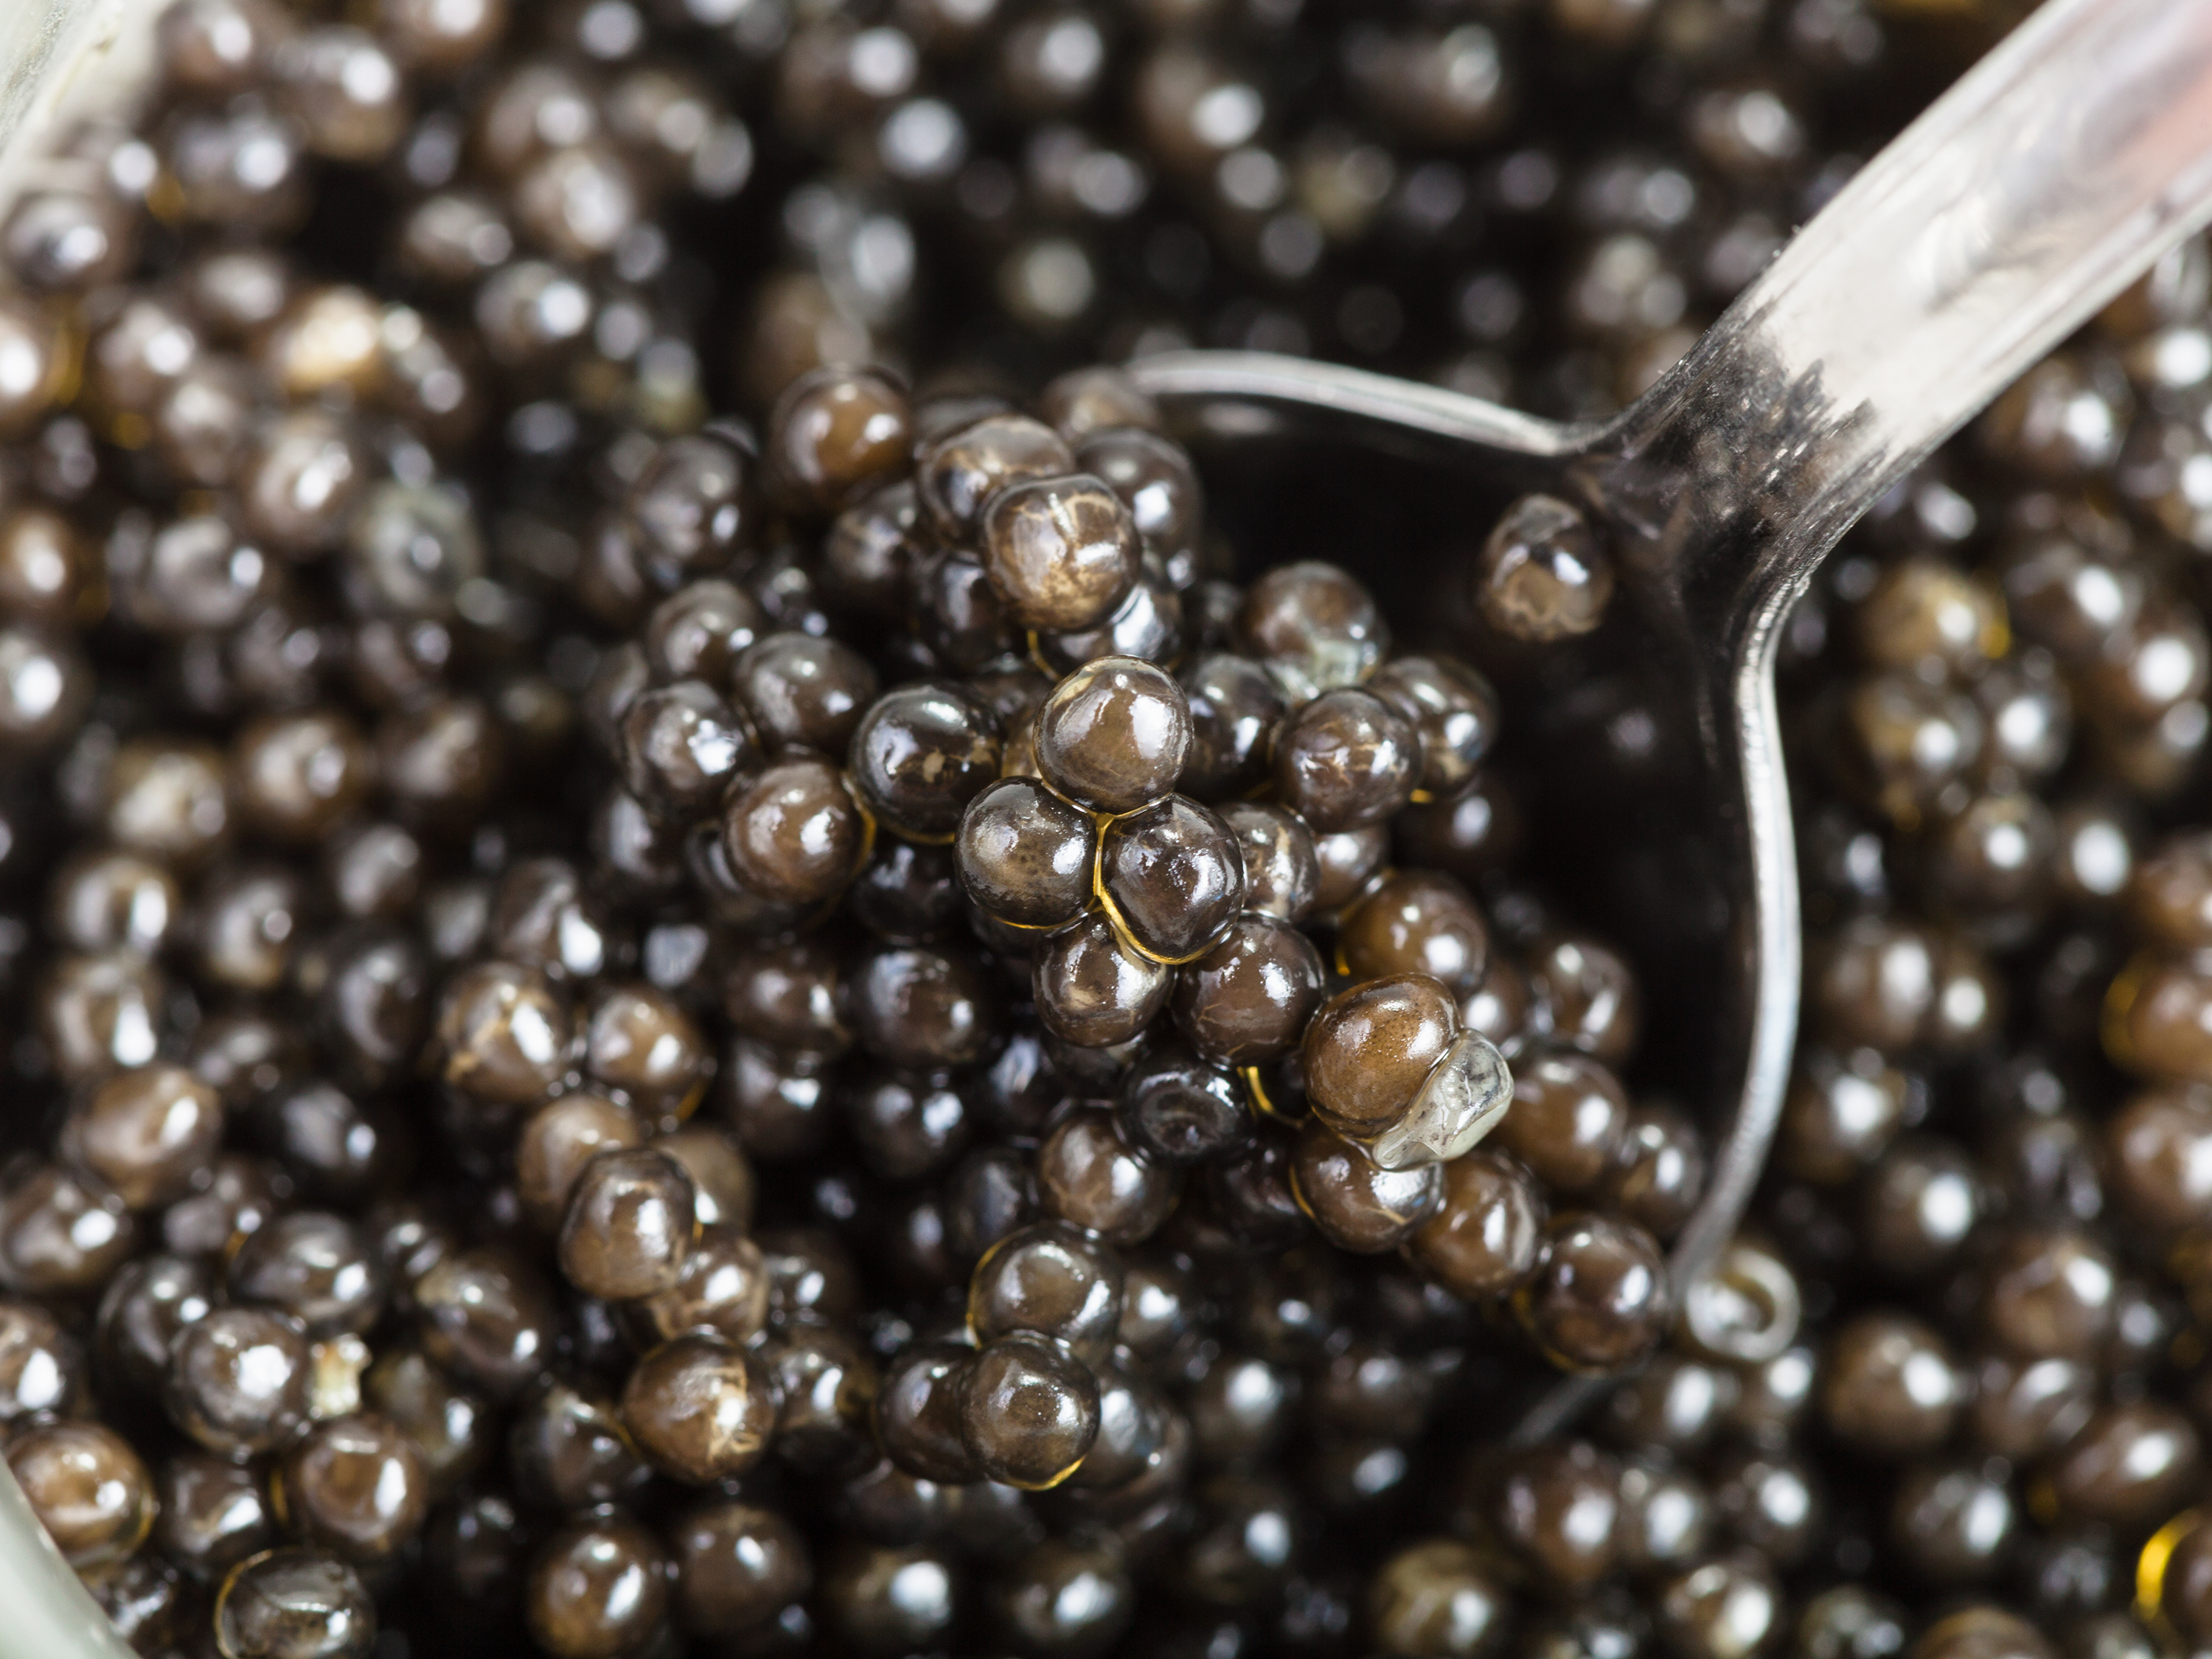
(703, 954)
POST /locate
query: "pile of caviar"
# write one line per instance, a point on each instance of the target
(694, 963)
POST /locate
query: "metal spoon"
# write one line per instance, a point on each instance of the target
(2031, 193)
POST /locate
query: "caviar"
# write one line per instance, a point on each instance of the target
(675, 990)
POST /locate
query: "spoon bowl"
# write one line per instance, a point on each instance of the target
(2023, 200)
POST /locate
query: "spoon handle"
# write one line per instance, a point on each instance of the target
(2040, 185)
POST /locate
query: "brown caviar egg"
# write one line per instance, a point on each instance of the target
(957, 475)
(1028, 1411)
(2157, 1150)
(1249, 999)
(1062, 553)
(1172, 876)
(597, 1589)
(344, 90)
(680, 746)
(238, 1195)
(1839, 1116)
(2130, 1465)
(923, 1006)
(1560, 1508)
(801, 691)
(88, 1489)
(45, 568)
(136, 357)
(1314, 626)
(557, 1141)
(1357, 1205)
(2024, 1408)
(1925, 612)
(1486, 1235)
(641, 1040)
(248, 922)
(793, 833)
(1083, 401)
(1873, 984)
(2050, 1293)
(448, 1426)
(1416, 922)
(1025, 854)
(144, 1599)
(1087, 1173)
(2169, 894)
(41, 1364)
(689, 508)
(1053, 1280)
(294, 1604)
(1453, 712)
(69, 240)
(1369, 1049)
(2184, 1589)
(1599, 1300)
(1888, 1385)
(1659, 1171)
(44, 685)
(576, 202)
(1347, 760)
(701, 1408)
(297, 777)
(737, 1566)
(1113, 735)
(629, 1224)
(60, 1234)
(1438, 1596)
(441, 34)
(1919, 1204)
(920, 754)
(1182, 1107)
(301, 477)
(487, 1316)
(1094, 991)
(835, 434)
(1281, 857)
(567, 1447)
(1981, 1632)
(315, 1265)
(1591, 993)
(697, 632)
(917, 1412)
(146, 1133)
(1952, 1520)
(1235, 709)
(890, 1599)
(724, 1291)
(239, 1379)
(1729, 1607)
(798, 993)
(1074, 1597)
(167, 801)
(1348, 860)
(354, 1485)
(2156, 1021)
(505, 1034)
(1543, 575)
(1904, 742)
(327, 340)
(213, 1514)
(32, 365)
(722, 1183)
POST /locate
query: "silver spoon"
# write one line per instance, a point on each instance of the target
(2052, 175)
